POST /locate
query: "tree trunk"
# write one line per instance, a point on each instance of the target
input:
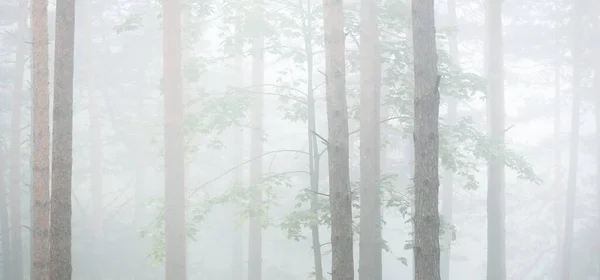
(41, 142)
(313, 148)
(558, 171)
(4, 229)
(237, 258)
(337, 122)
(426, 141)
(175, 266)
(574, 143)
(448, 178)
(370, 244)
(496, 265)
(62, 137)
(256, 150)
(15, 147)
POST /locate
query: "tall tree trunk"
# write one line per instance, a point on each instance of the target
(313, 148)
(337, 122)
(576, 51)
(256, 149)
(448, 177)
(174, 161)
(597, 93)
(4, 228)
(15, 147)
(426, 142)
(62, 137)
(558, 171)
(40, 256)
(237, 258)
(370, 243)
(496, 255)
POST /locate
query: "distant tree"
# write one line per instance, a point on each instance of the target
(173, 136)
(370, 244)
(15, 146)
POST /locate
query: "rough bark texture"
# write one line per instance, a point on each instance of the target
(313, 147)
(370, 243)
(62, 137)
(4, 229)
(15, 147)
(256, 150)
(576, 50)
(337, 120)
(175, 265)
(426, 142)
(40, 256)
(496, 256)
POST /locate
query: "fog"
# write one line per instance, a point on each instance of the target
(221, 125)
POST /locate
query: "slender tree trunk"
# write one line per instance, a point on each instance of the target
(4, 228)
(426, 141)
(448, 179)
(175, 267)
(40, 256)
(256, 149)
(337, 146)
(370, 244)
(237, 258)
(313, 148)
(15, 147)
(574, 142)
(558, 169)
(62, 137)
(597, 93)
(496, 255)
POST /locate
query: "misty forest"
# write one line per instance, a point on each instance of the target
(299, 139)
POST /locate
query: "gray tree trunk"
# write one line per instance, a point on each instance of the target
(337, 121)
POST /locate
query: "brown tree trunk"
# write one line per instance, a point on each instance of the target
(448, 177)
(337, 146)
(256, 149)
(15, 147)
(496, 265)
(175, 266)
(426, 142)
(4, 228)
(62, 137)
(370, 243)
(40, 256)
(576, 51)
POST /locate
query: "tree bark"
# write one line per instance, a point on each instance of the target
(15, 146)
(62, 137)
(175, 266)
(426, 142)
(496, 255)
(576, 51)
(370, 243)
(40, 256)
(256, 149)
(337, 120)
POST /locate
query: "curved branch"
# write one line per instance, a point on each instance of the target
(241, 164)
